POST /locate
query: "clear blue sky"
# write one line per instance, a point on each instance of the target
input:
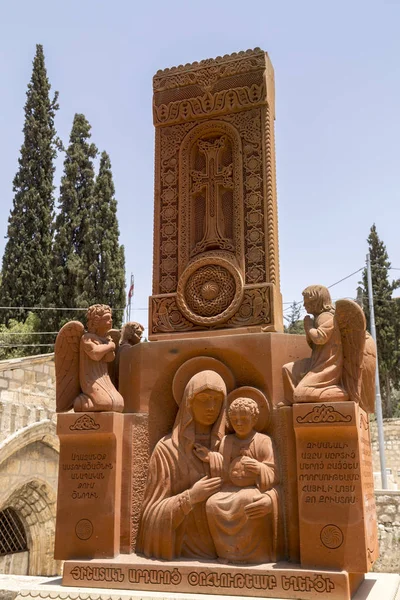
(337, 73)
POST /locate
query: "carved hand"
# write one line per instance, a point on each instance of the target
(204, 488)
(201, 452)
(259, 507)
(308, 322)
(252, 465)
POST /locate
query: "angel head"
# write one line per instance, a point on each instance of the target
(99, 319)
(317, 300)
(131, 333)
(243, 414)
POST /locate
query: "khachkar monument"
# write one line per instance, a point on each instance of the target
(215, 227)
(223, 457)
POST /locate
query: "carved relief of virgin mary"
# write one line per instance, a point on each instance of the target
(174, 521)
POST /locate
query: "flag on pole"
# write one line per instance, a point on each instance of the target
(130, 296)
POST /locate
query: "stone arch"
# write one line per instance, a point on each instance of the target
(44, 431)
(35, 503)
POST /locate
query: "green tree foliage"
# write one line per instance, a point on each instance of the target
(73, 224)
(26, 259)
(295, 324)
(386, 319)
(102, 271)
(16, 338)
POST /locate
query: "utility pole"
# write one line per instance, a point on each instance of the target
(378, 402)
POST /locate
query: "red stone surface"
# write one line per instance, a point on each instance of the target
(284, 580)
(337, 514)
(89, 485)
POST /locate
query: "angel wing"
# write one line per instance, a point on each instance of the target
(66, 354)
(368, 375)
(351, 321)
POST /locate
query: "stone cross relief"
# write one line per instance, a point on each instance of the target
(213, 180)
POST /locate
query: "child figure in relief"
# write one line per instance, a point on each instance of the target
(242, 517)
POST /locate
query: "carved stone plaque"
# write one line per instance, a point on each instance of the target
(215, 225)
(89, 485)
(337, 512)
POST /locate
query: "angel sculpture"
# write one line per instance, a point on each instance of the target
(343, 358)
(82, 378)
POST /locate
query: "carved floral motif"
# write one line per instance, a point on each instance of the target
(84, 423)
(209, 104)
(209, 71)
(254, 310)
(324, 414)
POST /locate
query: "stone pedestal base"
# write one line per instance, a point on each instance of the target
(377, 586)
(89, 485)
(281, 580)
(338, 527)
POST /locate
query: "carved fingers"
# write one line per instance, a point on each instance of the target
(251, 465)
(204, 488)
(259, 507)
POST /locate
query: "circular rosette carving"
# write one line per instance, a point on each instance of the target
(84, 529)
(331, 536)
(210, 290)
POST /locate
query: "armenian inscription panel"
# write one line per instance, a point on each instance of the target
(335, 486)
(89, 487)
(139, 573)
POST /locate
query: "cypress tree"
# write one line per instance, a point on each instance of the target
(26, 260)
(102, 269)
(385, 318)
(72, 226)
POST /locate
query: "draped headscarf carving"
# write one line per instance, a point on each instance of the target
(183, 432)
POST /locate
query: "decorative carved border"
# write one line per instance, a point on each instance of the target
(209, 70)
(165, 248)
(249, 127)
(209, 104)
(324, 414)
(255, 310)
(84, 423)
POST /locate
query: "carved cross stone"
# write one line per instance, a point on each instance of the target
(213, 180)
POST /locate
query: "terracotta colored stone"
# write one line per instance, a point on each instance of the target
(335, 487)
(215, 224)
(81, 358)
(89, 485)
(210, 495)
(151, 372)
(343, 359)
(283, 478)
(265, 581)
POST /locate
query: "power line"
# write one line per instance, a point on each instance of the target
(344, 278)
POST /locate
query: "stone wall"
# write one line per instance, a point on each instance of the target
(29, 458)
(391, 429)
(388, 512)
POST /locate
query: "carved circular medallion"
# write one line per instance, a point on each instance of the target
(210, 290)
(332, 536)
(84, 529)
